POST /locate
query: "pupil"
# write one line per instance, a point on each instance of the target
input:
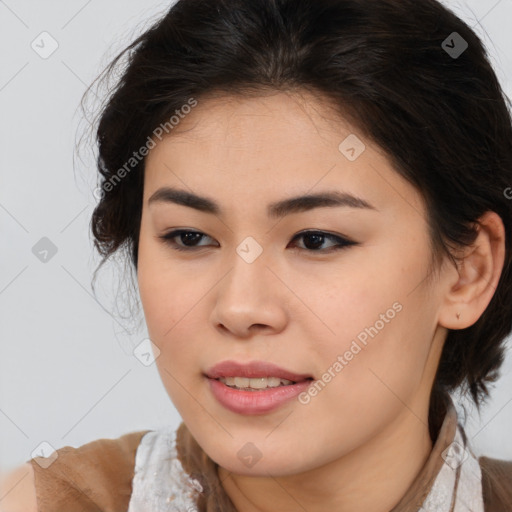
(316, 237)
(189, 237)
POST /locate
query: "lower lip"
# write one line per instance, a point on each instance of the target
(255, 402)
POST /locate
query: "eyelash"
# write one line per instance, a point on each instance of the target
(343, 242)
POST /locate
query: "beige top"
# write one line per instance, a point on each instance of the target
(120, 475)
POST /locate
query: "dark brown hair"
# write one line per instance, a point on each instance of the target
(442, 119)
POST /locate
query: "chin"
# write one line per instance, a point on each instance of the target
(247, 459)
(262, 468)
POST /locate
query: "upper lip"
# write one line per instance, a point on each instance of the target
(254, 369)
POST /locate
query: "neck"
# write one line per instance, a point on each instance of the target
(371, 478)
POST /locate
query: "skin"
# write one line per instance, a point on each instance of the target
(17, 490)
(298, 307)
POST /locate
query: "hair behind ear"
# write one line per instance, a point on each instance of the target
(439, 399)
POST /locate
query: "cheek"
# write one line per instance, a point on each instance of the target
(377, 332)
(166, 291)
(167, 312)
(171, 294)
(167, 319)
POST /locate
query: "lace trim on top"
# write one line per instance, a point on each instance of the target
(160, 483)
(458, 485)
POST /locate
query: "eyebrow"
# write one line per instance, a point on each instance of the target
(277, 209)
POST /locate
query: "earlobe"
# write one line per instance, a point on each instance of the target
(479, 270)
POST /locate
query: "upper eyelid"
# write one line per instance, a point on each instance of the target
(177, 231)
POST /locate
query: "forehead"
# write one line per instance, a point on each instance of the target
(278, 119)
(271, 146)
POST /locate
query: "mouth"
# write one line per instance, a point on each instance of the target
(254, 388)
(254, 375)
(256, 384)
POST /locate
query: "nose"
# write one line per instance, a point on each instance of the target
(251, 298)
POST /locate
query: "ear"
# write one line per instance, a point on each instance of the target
(472, 286)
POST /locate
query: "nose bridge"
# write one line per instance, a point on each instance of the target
(249, 263)
(249, 285)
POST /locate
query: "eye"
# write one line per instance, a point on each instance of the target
(186, 236)
(313, 240)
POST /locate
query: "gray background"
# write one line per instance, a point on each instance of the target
(67, 371)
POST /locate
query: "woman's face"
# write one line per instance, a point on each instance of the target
(351, 307)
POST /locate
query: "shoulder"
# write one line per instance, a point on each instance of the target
(95, 475)
(496, 484)
(17, 492)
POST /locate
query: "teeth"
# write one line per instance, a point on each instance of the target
(259, 383)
